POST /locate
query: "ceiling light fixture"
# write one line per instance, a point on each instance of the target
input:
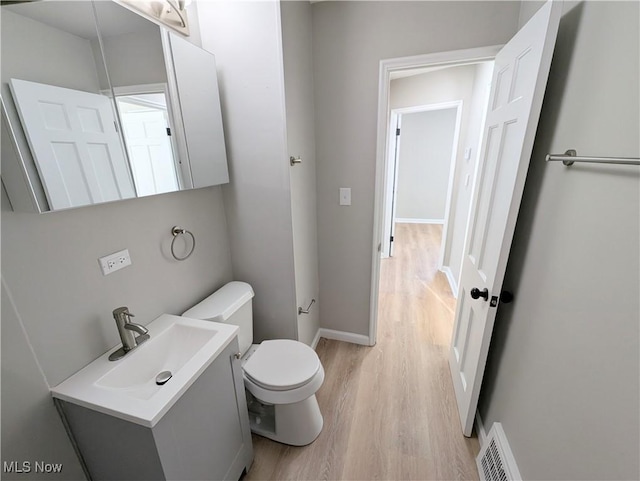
(171, 13)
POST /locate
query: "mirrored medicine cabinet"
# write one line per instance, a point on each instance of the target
(100, 104)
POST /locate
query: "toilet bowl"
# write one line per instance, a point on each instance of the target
(281, 376)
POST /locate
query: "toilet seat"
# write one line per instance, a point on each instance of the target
(282, 365)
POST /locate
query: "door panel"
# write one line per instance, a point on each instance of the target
(150, 150)
(75, 144)
(520, 75)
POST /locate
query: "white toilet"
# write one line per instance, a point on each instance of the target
(281, 376)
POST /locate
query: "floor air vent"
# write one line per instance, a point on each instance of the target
(495, 461)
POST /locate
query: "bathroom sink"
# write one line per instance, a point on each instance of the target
(168, 351)
(127, 388)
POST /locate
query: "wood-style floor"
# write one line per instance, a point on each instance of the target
(389, 410)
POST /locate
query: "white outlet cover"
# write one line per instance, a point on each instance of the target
(114, 262)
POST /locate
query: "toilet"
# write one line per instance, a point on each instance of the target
(281, 376)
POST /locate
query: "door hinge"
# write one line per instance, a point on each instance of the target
(391, 238)
(169, 131)
(397, 131)
(380, 247)
(115, 125)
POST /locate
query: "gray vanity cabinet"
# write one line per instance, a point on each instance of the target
(204, 436)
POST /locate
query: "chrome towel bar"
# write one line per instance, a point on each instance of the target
(571, 156)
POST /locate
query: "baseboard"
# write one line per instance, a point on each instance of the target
(316, 339)
(408, 220)
(343, 336)
(446, 270)
(482, 434)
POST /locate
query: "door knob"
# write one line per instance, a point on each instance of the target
(477, 293)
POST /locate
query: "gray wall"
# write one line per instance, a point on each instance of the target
(563, 375)
(55, 56)
(246, 38)
(134, 58)
(444, 85)
(349, 40)
(424, 163)
(298, 81)
(31, 428)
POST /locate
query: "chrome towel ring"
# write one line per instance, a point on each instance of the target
(178, 231)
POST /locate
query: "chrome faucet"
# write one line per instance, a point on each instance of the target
(126, 329)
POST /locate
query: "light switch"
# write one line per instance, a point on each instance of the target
(345, 195)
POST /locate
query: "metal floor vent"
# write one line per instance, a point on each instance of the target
(495, 460)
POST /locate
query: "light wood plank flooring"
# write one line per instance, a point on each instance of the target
(389, 410)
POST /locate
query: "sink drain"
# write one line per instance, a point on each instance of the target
(163, 377)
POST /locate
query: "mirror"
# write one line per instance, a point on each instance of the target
(137, 73)
(63, 126)
(103, 107)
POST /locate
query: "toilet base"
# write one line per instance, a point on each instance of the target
(296, 424)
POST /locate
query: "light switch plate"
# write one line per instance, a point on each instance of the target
(345, 195)
(114, 262)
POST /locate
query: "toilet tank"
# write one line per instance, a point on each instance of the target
(231, 304)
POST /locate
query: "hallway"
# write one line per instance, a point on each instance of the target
(389, 410)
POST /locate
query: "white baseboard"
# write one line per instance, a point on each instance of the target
(316, 340)
(482, 434)
(408, 220)
(446, 270)
(344, 336)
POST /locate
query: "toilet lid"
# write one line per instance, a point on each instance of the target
(282, 364)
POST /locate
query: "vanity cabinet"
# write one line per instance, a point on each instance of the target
(205, 435)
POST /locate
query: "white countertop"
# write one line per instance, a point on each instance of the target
(146, 402)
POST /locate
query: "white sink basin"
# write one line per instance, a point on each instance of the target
(168, 351)
(127, 388)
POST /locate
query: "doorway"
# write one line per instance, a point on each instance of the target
(434, 266)
(422, 159)
(407, 68)
(517, 88)
(427, 183)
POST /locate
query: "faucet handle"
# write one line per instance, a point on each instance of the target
(122, 311)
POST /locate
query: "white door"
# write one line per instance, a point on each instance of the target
(519, 79)
(149, 147)
(76, 147)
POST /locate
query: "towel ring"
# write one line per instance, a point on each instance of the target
(178, 231)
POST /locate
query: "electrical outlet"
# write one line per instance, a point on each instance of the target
(115, 261)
